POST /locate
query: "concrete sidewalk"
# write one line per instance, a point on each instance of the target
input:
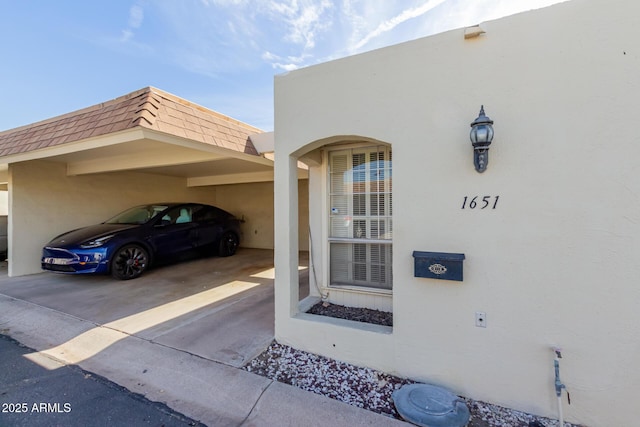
(211, 392)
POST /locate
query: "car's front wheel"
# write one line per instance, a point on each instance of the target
(129, 262)
(228, 244)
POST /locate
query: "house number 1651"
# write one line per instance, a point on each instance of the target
(480, 202)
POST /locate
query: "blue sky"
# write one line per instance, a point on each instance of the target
(61, 56)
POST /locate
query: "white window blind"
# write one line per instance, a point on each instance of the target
(360, 235)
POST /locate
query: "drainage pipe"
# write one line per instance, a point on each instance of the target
(558, 384)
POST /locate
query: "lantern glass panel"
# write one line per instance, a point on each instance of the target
(482, 133)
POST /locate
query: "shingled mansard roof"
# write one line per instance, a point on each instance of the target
(148, 108)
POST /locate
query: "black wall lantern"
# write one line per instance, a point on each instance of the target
(481, 136)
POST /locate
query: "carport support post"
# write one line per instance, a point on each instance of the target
(286, 239)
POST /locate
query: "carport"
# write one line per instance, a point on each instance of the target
(148, 146)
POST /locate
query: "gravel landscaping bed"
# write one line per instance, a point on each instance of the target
(367, 388)
(366, 315)
(364, 387)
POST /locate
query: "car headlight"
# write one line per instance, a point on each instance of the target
(96, 243)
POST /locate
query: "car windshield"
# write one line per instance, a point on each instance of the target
(137, 215)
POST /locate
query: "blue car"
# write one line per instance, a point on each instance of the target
(127, 244)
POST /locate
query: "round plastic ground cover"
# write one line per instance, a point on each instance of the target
(430, 406)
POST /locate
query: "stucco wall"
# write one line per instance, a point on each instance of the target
(45, 202)
(556, 263)
(254, 203)
(4, 203)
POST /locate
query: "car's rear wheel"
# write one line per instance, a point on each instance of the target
(129, 262)
(228, 244)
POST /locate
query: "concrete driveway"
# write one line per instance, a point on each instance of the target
(176, 336)
(220, 309)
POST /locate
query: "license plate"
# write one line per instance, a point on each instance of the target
(57, 261)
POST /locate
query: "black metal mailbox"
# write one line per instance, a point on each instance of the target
(438, 265)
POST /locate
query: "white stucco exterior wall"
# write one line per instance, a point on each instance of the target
(556, 263)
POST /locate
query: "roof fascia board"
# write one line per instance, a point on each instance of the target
(129, 135)
(202, 146)
(126, 135)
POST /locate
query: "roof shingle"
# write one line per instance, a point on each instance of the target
(148, 108)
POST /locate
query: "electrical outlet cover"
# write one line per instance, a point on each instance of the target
(481, 319)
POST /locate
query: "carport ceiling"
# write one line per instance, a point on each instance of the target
(148, 131)
(200, 166)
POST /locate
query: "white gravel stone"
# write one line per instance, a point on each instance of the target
(367, 388)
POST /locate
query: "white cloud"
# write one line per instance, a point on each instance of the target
(223, 2)
(277, 62)
(134, 22)
(268, 56)
(126, 35)
(303, 19)
(393, 22)
(285, 67)
(136, 16)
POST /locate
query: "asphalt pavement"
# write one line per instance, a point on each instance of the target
(38, 391)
